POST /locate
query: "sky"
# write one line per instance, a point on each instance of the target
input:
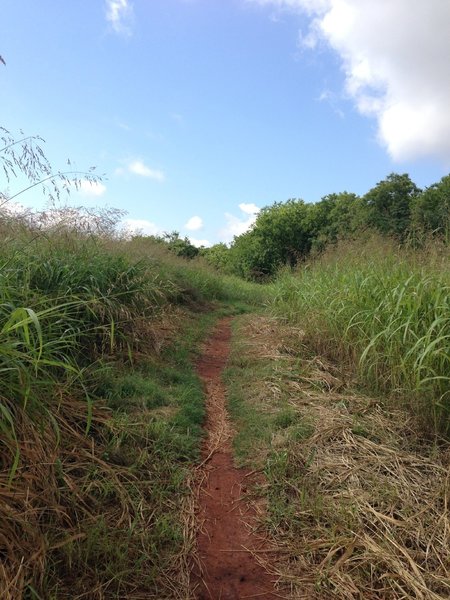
(201, 112)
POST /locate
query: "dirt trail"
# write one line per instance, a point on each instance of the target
(227, 546)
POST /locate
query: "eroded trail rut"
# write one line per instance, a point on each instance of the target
(227, 546)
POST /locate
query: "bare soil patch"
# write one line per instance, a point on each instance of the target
(230, 551)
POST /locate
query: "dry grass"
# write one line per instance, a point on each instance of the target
(358, 502)
(33, 499)
(73, 499)
(108, 514)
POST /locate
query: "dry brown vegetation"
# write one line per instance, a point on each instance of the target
(92, 516)
(357, 498)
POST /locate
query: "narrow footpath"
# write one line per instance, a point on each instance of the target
(228, 547)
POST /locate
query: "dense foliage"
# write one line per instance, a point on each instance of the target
(287, 233)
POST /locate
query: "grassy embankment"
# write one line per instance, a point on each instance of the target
(100, 412)
(340, 397)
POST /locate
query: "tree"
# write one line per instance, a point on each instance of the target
(280, 236)
(389, 204)
(218, 256)
(336, 216)
(248, 257)
(430, 211)
(180, 246)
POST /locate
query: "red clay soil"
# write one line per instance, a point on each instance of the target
(227, 547)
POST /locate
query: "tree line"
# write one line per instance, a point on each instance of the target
(286, 233)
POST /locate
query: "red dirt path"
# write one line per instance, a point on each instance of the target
(227, 546)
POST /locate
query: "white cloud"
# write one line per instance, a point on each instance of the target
(196, 242)
(194, 224)
(238, 225)
(119, 13)
(249, 208)
(91, 188)
(11, 207)
(140, 226)
(137, 167)
(394, 56)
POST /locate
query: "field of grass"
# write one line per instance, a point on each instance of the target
(384, 311)
(100, 411)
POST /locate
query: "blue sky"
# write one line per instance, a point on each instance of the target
(200, 112)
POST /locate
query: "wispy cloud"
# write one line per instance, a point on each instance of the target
(140, 226)
(119, 13)
(194, 224)
(122, 125)
(138, 167)
(92, 188)
(332, 99)
(236, 225)
(198, 243)
(177, 117)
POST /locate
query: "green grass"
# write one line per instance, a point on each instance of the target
(384, 312)
(197, 280)
(268, 425)
(260, 412)
(253, 427)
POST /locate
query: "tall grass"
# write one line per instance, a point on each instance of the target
(100, 410)
(387, 313)
(62, 308)
(196, 279)
(69, 299)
